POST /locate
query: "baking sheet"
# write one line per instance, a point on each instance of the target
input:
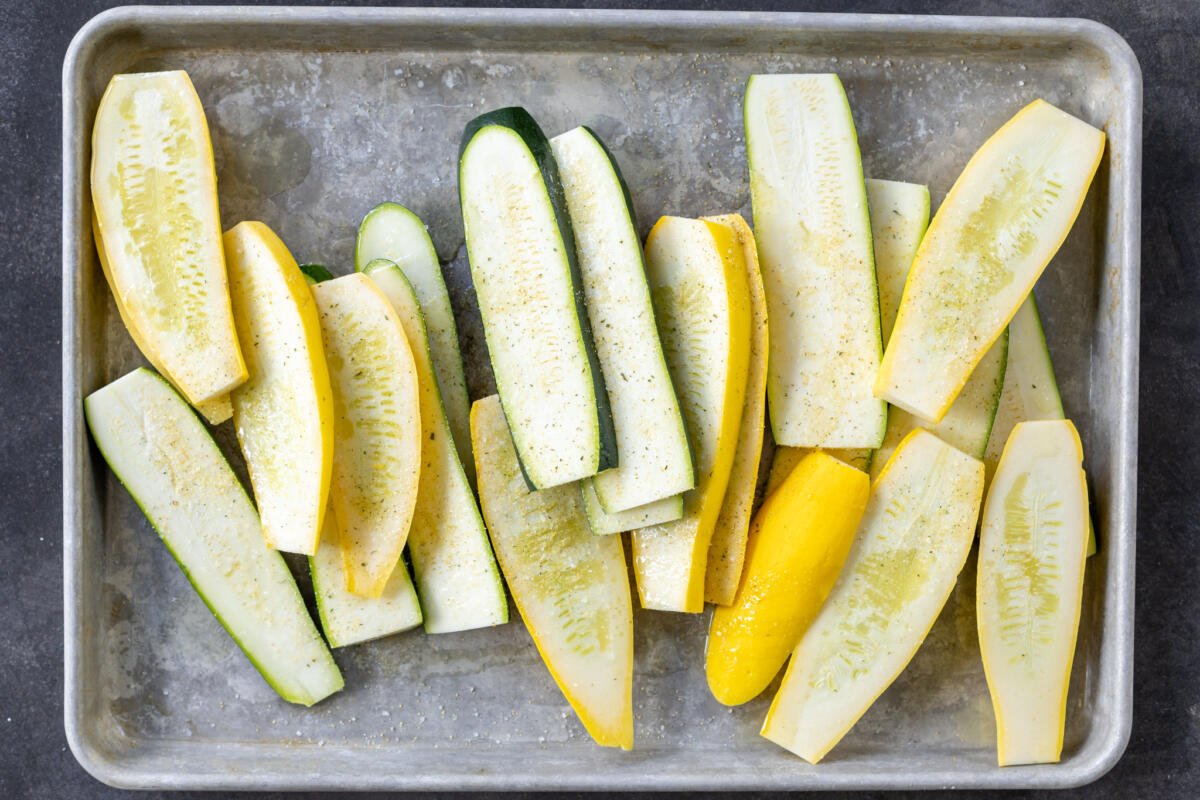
(319, 114)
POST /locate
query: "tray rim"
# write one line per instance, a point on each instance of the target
(1118, 611)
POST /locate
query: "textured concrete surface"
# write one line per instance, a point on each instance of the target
(1163, 759)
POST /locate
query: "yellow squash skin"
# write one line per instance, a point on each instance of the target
(798, 543)
(727, 550)
(570, 586)
(697, 278)
(1001, 223)
(786, 459)
(1032, 549)
(376, 427)
(283, 413)
(154, 191)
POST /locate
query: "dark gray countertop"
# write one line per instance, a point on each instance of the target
(1163, 758)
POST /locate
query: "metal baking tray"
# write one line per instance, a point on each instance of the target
(318, 114)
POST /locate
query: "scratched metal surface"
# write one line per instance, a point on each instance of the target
(316, 116)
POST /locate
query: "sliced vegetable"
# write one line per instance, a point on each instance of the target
(377, 427)
(798, 543)
(905, 560)
(456, 572)
(899, 217)
(1030, 388)
(786, 459)
(347, 618)
(169, 463)
(571, 587)
(154, 190)
(530, 294)
(603, 523)
(216, 409)
(814, 239)
(1032, 549)
(697, 277)
(283, 414)
(655, 461)
(727, 549)
(968, 423)
(391, 231)
(1003, 220)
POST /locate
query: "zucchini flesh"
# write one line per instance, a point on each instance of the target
(814, 239)
(786, 459)
(571, 588)
(905, 560)
(655, 460)
(174, 471)
(1032, 549)
(604, 523)
(283, 413)
(347, 618)
(1001, 223)
(968, 423)
(799, 541)
(452, 560)
(899, 217)
(697, 277)
(530, 293)
(727, 549)
(154, 190)
(215, 409)
(377, 427)
(391, 231)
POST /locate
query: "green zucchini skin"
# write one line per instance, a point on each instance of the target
(315, 273)
(520, 121)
